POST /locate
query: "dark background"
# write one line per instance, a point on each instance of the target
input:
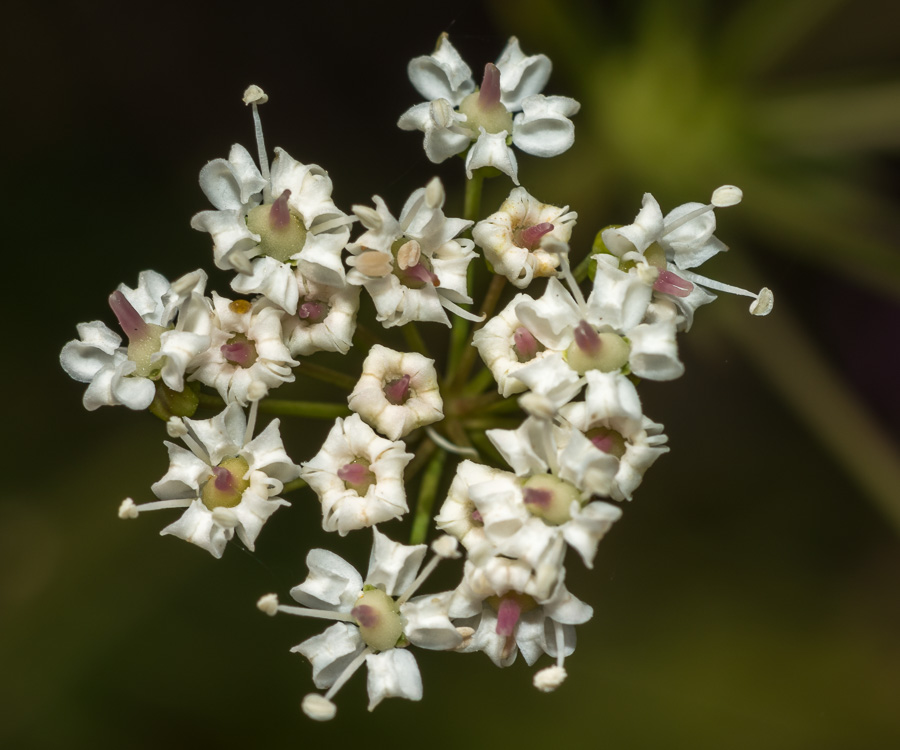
(748, 597)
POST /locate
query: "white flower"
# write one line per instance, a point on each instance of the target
(456, 114)
(506, 344)
(228, 483)
(397, 392)
(605, 333)
(247, 346)
(266, 224)
(376, 618)
(509, 613)
(612, 419)
(325, 320)
(358, 477)
(511, 238)
(665, 249)
(156, 351)
(458, 515)
(413, 267)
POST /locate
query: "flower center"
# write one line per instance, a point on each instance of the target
(239, 350)
(411, 267)
(525, 345)
(226, 484)
(143, 338)
(606, 351)
(357, 476)
(483, 108)
(379, 619)
(549, 498)
(313, 311)
(530, 237)
(281, 230)
(607, 440)
(397, 391)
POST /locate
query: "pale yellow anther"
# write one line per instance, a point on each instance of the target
(408, 255)
(373, 263)
(255, 95)
(434, 193)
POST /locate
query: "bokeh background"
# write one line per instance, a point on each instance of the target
(749, 596)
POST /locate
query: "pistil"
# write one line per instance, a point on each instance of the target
(397, 391)
(530, 237)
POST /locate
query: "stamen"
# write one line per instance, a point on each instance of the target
(130, 320)
(442, 442)
(508, 614)
(348, 672)
(128, 508)
(318, 707)
(318, 614)
(670, 283)
(440, 554)
(587, 339)
(763, 301)
(255, 95)
(326, 226)
(397, 391)
(255, 393)
(489, 95)
(531, 236)
(553, 245)
(280, 213)
(686, 218)
(457, 310)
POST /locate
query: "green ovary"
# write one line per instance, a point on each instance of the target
(277, 242)
(226, 485)
(379, 619)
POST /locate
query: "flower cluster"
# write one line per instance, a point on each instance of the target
(514, 460)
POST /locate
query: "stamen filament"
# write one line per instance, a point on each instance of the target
(164, 504)
(348, 672)
(321, 614)
(420, 579)
(261, 147)
(682, 220)
(325, 226)
(444, 443)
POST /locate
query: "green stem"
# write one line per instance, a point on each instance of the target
(327, 375)
(581, 270)
(472, 201)
(423, 453)
(480, 383)
(414, 339)
(314, 409)
(427, 494)
(297, 484)
(467, 360)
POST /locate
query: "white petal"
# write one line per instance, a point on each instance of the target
(393, 674)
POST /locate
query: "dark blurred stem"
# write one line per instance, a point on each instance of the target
(427, 493)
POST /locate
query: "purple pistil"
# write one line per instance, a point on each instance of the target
(280, 214)
(538, 498)
(224, 481)
(670, 283)
(130, 320)
(603, 442)
(525, 343)
(365, 615)
(397, 391)
(239, 353)
(353, 473)
(312, 312)
(420, 273)
(508, 616)
(531, 236)
(587, 339)
(489, 95)
(476, 517)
